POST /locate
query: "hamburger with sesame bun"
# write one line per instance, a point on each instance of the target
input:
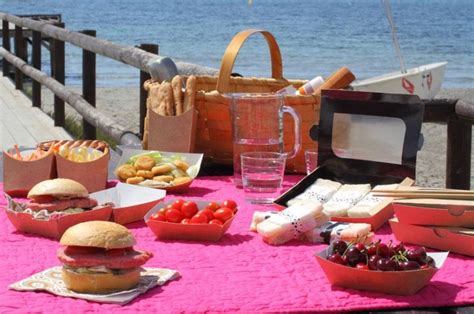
(60, 195)
(99, 257)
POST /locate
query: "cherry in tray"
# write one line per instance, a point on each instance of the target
(188, 212)
(379, 256)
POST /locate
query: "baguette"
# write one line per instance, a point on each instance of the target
(189, 94)
(162, 94)
(176, 84)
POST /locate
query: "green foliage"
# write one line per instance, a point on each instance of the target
(74, 127)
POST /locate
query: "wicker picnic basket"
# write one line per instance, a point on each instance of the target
(214, 132)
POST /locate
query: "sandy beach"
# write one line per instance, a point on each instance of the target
(122, 103)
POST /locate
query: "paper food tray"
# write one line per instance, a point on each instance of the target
(131, 202)
(193, 160)
(407, 282)
(192, 232)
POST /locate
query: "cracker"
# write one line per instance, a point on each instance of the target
(190, 93)
(176, 84)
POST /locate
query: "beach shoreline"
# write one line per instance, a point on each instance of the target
(122, 105)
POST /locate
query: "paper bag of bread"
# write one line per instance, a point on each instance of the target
(169, 99)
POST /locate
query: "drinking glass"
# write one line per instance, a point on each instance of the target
(311, 159)
(262, 176)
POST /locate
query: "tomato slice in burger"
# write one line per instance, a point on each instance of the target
(73, 250)
(43, 199)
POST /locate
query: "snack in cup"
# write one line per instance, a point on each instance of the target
(98, 257)
(35, 155)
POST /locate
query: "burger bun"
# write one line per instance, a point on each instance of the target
(102, 234)
(100, 283)
(58, 188)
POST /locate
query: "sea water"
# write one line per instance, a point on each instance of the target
(316, 37)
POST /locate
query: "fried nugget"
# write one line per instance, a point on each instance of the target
(135, 180)
(181, 164)
(162, 169)
(181, 180)
(145, 174)
(144, 163)
(125, 171)
(163, 178)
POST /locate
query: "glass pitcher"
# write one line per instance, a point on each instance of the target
(257, 125)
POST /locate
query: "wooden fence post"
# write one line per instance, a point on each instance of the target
(59, 75)
(6, 46)
(458, 156)
(36, 62)
(153, 48)
(19, 53)
(89, 85)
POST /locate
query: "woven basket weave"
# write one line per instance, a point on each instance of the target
(214, 132)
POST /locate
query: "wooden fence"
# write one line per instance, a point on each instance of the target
(457, 114)
(57, 36)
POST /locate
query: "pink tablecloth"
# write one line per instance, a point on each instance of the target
(238, 273)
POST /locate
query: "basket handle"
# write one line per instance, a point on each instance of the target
(232, 50)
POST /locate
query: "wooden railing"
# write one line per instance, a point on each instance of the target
(457, 114)
(57, 36)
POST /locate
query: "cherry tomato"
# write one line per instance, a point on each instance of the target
(162, 210)
(209, 213)
(199, 219)
(159, 216)
(174, 215)
(186, 221)
(213, 206)
(223, 214)
(189, 209)
(178, 204)
(230, 204)
(215, 222)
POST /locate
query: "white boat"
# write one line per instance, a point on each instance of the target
(424, 81)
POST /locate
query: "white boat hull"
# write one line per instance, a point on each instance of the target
(424, 81)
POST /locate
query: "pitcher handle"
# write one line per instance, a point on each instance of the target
(297, 120)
